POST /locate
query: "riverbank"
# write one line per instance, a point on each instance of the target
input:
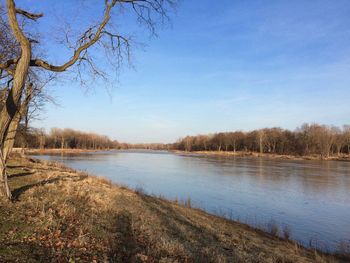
(61, 215)
(67, 151)
(264, 155)
(56, 151)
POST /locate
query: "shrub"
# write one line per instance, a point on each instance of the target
(272, 227)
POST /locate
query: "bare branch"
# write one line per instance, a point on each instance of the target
(8, 63)
(89, 41)
(143, 10)
(29, 15)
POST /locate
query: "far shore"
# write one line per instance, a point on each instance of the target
(342, 157)
(264, 155)
(57, 151)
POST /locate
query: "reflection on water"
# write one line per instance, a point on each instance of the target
(311, 197)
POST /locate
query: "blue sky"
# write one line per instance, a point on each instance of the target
(236, 65)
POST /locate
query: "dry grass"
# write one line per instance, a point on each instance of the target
(58, 151)
(61, 215)
(343, 157)
(272, 228)
(286, 232)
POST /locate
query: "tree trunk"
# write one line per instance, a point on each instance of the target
(260, 144)
(13, 127)
(9, 110)
(9, 141)
(10, 138)
(5, 191)
(62, 143)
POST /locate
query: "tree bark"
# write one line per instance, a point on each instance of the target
(8, 112)
(13, 127)
(5, 189)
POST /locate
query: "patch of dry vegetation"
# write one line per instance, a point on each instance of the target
(341, 157)
(61, 215)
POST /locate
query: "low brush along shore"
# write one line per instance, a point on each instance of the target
(341, 157)
(57, 151)
(62, 215)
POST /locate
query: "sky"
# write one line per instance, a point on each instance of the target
(233, 65)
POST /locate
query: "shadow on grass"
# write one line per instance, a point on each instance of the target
(171, 218)
(123, 245)
(24, 173)
(196, 239)
(36, 252)
(16, 193)
(24, 251)
(15, 166)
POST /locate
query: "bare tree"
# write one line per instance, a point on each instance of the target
(261, 140)
(234, 138)
(18, 67)
(218, 140)
(324, 139)
(338, 140)
(346, 132)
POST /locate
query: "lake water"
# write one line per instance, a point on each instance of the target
(312, 198)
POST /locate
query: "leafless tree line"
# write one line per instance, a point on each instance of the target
(309, 139)
(33, 138)
(63, 139)
(146, 146)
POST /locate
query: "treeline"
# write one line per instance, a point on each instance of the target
(308, 139)
(73, 139)
(146, 146)
(64, 139)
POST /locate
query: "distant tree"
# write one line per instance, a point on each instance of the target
(338, 139)
(219, 140)
(290, 143)
(234, 138)
(202, 142)
(346, 132)
(273, 138)
(260, 138)
(324, 138)
(306, 134)
(188, 141)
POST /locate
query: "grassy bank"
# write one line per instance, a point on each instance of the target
(57, 151)
(342, 157)
(61, 215)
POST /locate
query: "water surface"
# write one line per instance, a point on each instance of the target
(312, 198)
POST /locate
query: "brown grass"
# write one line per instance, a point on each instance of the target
(57, 151)
(61, 215)
(343, 157)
